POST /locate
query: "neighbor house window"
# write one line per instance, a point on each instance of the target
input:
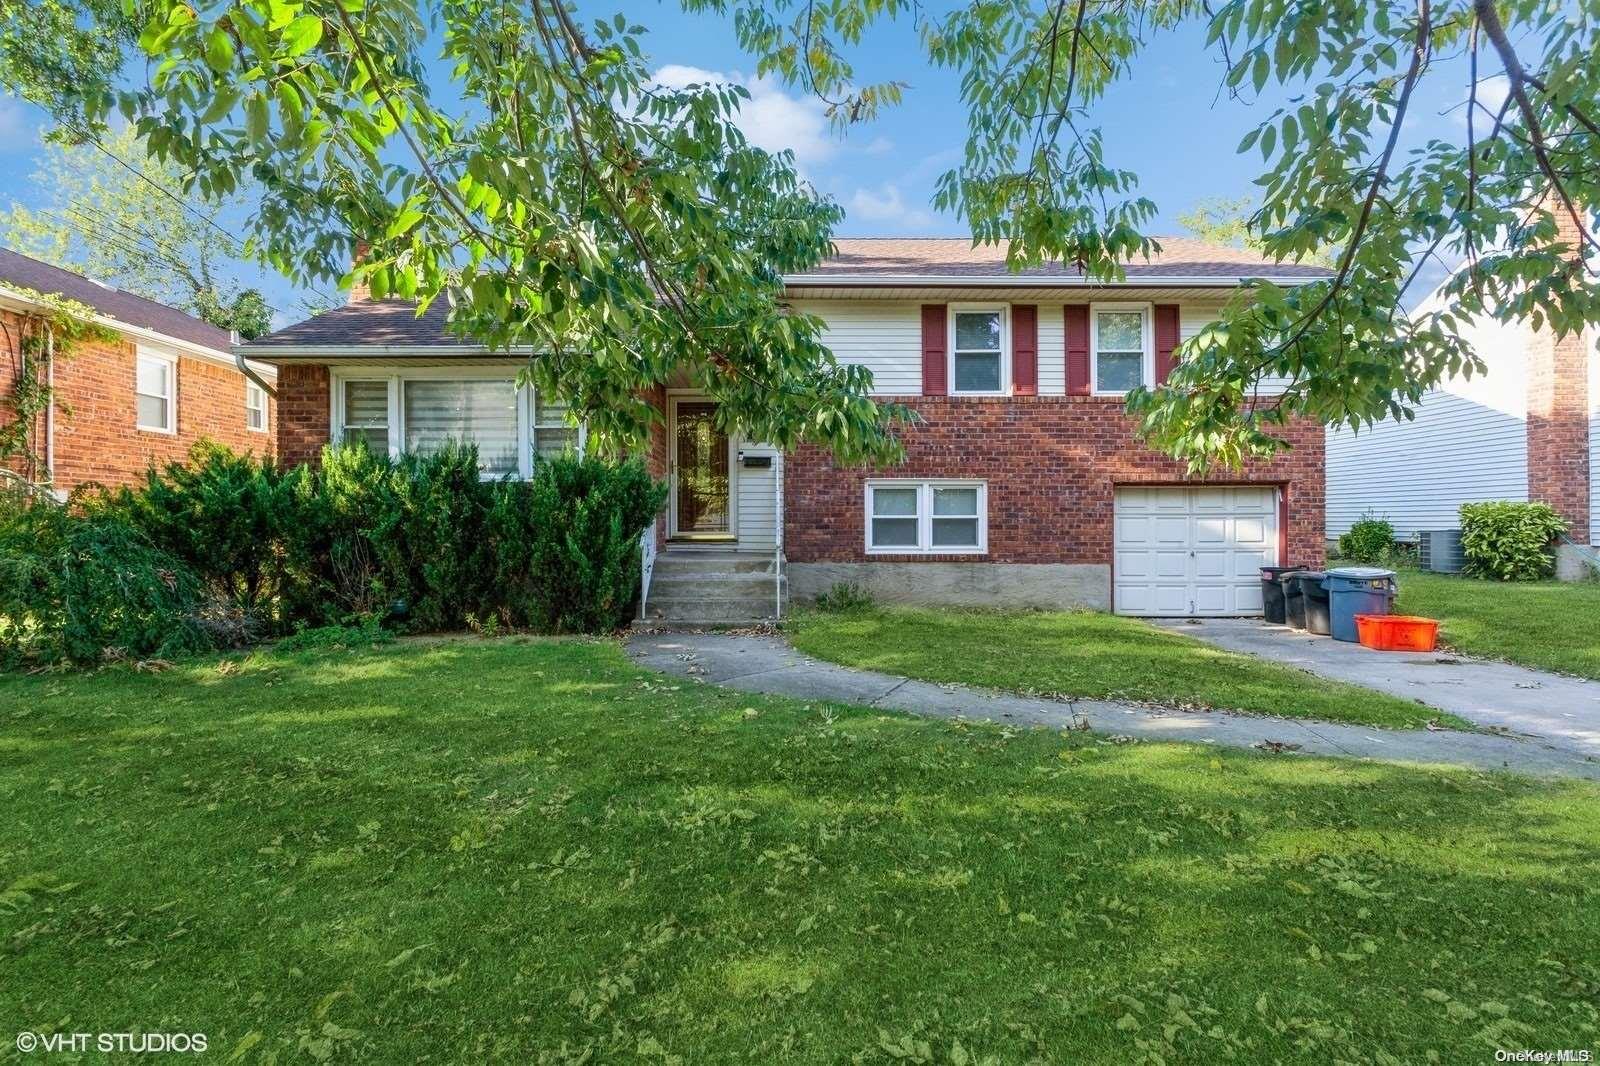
(156, 393)
(552, 433)
(927, 517)
(977, 351)
(1121, 349)
(472, 412)
(255, 407)
(366, 414)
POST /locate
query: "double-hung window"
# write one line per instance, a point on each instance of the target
(1123, 357)
(481, 412)
(420, 410)
(155, 388)
(255, 407)
(927, 517)
(977, 351)
(366, 414)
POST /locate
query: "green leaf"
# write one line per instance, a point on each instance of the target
(302, 35)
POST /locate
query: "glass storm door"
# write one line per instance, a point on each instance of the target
(700, 460)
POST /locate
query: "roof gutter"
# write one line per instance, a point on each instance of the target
(247, 370)
(946, 281)
(275, 353)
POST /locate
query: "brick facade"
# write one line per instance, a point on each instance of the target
(304, 399)
(1558, 412)
(1051, 463)
(96, 436)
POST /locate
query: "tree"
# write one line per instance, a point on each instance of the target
(627, 233)
(118, 214)
(63, 54)
(1226, 221)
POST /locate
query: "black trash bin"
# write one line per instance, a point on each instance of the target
(1294, 604)
(1318, 620)
(1273, 609)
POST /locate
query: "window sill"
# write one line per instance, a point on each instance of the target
(165, 432)
(913, 553)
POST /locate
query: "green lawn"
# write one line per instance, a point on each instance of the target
(1091, 655)
(1547, 624)
(530, 851)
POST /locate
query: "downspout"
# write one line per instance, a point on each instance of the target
(244, 367)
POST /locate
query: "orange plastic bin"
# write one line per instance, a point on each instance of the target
(1397, 632)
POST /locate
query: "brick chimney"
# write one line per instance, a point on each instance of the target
(359, 291)
(1558, 410)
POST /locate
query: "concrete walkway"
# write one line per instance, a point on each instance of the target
(770, 665)
(1563, 712)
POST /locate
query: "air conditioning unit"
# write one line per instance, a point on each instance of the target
(1439, 550)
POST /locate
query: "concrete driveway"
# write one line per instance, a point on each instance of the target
(1561, 711)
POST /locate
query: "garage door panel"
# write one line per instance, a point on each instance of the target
(1194, 550)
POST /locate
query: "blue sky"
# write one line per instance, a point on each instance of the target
(1169, 124)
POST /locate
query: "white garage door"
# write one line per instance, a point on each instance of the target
(1190, 551)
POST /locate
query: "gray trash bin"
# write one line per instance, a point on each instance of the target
(1354, 590)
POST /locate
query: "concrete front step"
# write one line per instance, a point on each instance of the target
(701, 586)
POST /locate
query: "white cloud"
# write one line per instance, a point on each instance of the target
(1492, 93)
(772, 119)
(887, 206)
(14, 122)
(879, 146)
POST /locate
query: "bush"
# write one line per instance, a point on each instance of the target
(566, 544)
(227, 517)
(1370, 540)
(334, 638)
(83, 584)
(1510, 541)
(843, 597)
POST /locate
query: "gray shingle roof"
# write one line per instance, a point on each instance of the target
(395, 324)
(20, 271)
(382, 323)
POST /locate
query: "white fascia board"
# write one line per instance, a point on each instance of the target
(970, 281)
(314, 352)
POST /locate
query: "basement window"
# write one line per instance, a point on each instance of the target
(927, 517)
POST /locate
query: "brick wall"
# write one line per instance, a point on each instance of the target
(303, 398)
(1558, 413)
(1051, 463)
(96, 438)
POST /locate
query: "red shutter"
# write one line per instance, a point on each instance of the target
(1166, 340)
(1025, 349)
(934, 338)
(1077, 323)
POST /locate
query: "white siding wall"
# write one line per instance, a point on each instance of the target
(1594, 438)
(1469, 443)
(885, 336)
(757, 507)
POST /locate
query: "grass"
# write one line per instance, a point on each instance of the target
(1551, 625)
(529, 851)
(1089, 655)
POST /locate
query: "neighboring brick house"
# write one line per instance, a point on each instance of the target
(1024, 482)
(1526, 429)
(166, 381)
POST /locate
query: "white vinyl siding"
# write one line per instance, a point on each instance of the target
(885, 336)
(1594, 437)
(756, 498)
(1469, 443)
(1052, 350)
(155, 388)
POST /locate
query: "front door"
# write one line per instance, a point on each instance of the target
(700, 485)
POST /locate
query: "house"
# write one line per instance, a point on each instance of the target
(1023, 484)
(166, 381)
(1527, 429)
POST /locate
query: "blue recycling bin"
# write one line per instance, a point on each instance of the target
(1354, 590)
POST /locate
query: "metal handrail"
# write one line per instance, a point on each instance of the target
(777, 552)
